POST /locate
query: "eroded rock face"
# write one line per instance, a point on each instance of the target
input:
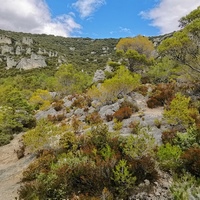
(5, 40)
(36, 61)
(99, 76)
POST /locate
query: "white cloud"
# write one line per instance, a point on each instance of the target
(125, 30)
(88, 7)
(167, 13)
(33, 16)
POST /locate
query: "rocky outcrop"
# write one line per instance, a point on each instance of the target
(35, 61)
(5, 40)
(99, 76)
(22, 54)
(28, 41)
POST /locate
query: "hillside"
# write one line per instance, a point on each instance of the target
(102, 119)
(29, 51)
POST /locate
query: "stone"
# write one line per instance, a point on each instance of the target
(27, 40)
(36, 61)
(5, 40)
(10, 63)
(99, 76)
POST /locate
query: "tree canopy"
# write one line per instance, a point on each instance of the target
(184, 45)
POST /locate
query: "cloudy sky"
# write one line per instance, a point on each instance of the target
(94, 18)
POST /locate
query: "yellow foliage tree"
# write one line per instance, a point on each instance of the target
(138, 51)
(139, 43)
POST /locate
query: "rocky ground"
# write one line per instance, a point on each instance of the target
(11, 169)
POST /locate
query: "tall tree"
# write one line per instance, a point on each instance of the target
(137, 50)
(184, 45)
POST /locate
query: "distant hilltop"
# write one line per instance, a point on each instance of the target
(25, 51)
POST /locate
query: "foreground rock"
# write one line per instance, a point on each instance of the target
(11, 169)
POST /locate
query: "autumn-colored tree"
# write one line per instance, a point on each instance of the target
(184, 45)
(137, 50)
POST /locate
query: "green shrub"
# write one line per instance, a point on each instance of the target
(5, 138)
(123, 179)
(169, 157)
(185, 187)
(188, 139)
(179, 112)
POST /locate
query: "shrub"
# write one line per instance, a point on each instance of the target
(123, 179)
(179, 113)
(169, 156)
(93, 118)
(185, 187)
(109, 118)
(168, 136)
(191, 160)
(136, 146)
(58, 105)
(5, 138)
(121, 84)
(123, 113)
(42, 136)
(161, 95)
(188, 139)
(56, 118)
(81, 101)
(135, 127)
(41, 164)
(117, 125)
(143, 168)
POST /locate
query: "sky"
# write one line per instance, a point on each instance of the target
(94, 18)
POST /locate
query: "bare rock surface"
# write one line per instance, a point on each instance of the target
(11, 169)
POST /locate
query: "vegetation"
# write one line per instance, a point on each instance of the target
(80, 153)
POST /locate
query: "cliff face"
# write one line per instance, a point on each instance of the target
(22, 54)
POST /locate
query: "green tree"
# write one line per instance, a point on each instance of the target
(70, 80)
(164, 70)
(119, 85)
(183, 46)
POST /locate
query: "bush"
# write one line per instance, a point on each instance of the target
(169, 156)
(185, 187)
(5, 138)
(161, 95)
(58, 105)
(179, 112)
(123, 113)
(143, 168)
(93, 118)
(188, 139)
(168, 136)
(118, 86)
(191, 160)
(123, 179)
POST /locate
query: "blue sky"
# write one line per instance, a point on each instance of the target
(94, 18)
